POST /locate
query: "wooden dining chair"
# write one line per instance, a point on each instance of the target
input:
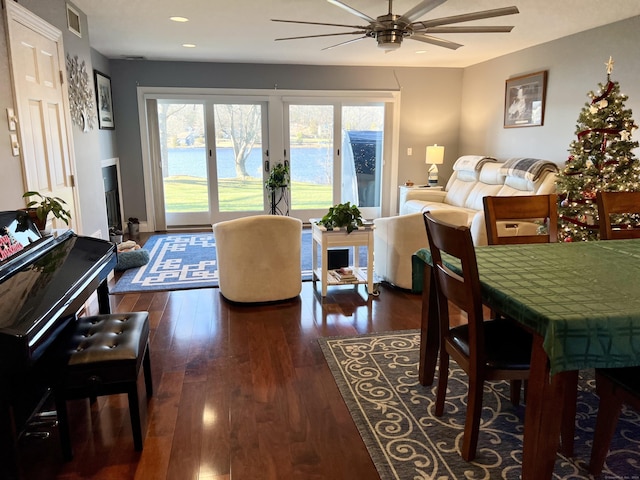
(486, 350)
(614, 386)
(616, 204)
(517, 219)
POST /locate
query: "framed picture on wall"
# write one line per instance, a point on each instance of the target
(524, 98)
(103, 101)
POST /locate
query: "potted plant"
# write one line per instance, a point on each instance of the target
(342, 215)
(276, 184)
(115, 235)
(39, 209)
(133, 225)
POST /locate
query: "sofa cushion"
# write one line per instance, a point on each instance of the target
(459, 186)
(490, 182)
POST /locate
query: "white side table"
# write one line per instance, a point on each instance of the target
(362, 237)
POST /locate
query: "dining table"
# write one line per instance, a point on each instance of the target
(580, 300)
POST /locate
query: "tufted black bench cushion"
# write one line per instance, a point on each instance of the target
(102, 356)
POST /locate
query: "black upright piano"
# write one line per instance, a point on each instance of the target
(44, 282)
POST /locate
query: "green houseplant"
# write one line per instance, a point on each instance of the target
(276, 184)
(40, 209)
(342, 215)
(278, 177)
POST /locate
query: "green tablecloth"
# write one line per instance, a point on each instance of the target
(583, 298)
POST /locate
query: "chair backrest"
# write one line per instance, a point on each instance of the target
(616, 204)
(517, 219)
(463, 290)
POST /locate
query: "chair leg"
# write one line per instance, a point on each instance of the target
(63, 428)
(134, 413)
(472, 421)
(516, 386)
(606, 423)
(443, 378)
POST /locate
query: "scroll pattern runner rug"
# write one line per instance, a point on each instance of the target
(377, 375)
(184, 261)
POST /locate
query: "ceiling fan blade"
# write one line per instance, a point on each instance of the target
(359, 32)
(352, 10)
(435, 41)
(420, 9)
(505, 29)
(320, 23)
(466, 17)
(344, 43)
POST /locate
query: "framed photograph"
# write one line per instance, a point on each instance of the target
(524, 100)
(103, 101)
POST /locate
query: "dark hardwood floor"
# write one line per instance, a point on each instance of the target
(240, 392)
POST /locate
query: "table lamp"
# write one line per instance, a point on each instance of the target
(435, 156)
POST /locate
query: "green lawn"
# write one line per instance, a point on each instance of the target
(189, 194)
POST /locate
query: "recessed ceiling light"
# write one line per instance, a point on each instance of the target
(179, 19)
(188, 45)
(421, 51)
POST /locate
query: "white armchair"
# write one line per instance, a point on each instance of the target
(395, 239)
(258, 258)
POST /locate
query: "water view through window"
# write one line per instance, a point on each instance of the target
(238, 157)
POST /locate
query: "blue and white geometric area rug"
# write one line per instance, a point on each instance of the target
(176, 262)
(188, 260)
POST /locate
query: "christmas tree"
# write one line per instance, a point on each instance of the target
(601, 159)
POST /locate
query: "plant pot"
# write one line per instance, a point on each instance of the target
(40, 224)
(134, 229)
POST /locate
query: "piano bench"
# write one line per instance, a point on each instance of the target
(102, 356)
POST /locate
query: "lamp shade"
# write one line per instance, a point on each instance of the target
(435, 155)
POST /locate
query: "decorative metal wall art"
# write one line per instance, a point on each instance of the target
(81, 95)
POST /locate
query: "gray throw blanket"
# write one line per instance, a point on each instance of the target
(529, 168)
(472, 162)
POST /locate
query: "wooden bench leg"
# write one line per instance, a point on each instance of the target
(146, 364)
(134, 413)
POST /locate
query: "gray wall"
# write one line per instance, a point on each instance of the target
(576, 65)
(430, 104)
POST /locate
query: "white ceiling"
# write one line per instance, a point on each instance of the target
(240, 31)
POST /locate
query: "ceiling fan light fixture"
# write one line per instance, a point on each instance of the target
(389, 39)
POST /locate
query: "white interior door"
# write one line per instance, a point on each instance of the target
(36, 56)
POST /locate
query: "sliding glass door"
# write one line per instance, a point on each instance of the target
(184, 159)
(238, 159)
(325, 171)
(211, 156)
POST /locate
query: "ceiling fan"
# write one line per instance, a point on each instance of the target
(389, 30)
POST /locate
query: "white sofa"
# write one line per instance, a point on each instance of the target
(474, 177)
